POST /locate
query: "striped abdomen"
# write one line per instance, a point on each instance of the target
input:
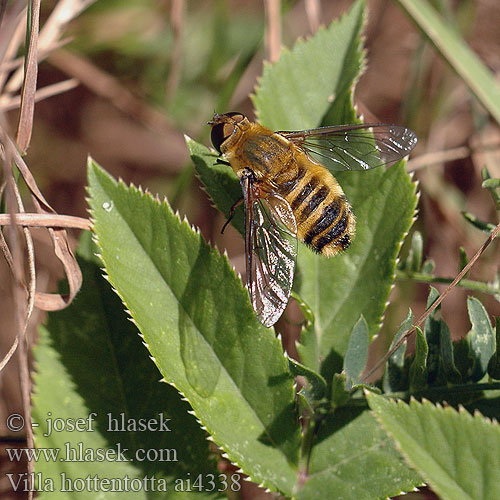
(324, 217)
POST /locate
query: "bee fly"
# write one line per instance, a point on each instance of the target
(289, 193)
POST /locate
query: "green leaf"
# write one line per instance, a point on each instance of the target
(492, 184)
(219, 180)
(428, 266)
(481, 337)
(91, 365)
(290, 96)
(464, 357)
(357, 352)
(418, 368)
(307, 348)
(339, 394)
(432, 331)
(199, 326)
(456, 453)
(455, 51)
(355, 459)
(464, 260)
(396, 378)
(446, 350)
(317, 382)
(339, 289)
(358, 281)
(486, 227)
(414, 260)
(494, 362)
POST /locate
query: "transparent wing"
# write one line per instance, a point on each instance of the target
(271, 251)
(355, 147)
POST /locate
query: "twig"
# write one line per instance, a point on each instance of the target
(43, 93)
(477, 286)
(440, 299)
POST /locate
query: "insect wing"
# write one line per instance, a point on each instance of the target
(271, 251)
(355, 147)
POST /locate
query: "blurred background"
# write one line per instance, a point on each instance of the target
(143, 73)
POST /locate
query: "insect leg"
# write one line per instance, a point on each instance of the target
(231, 214)
(222, 162)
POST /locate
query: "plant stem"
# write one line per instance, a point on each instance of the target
(477, 286)
(455, 389)
(305, 449)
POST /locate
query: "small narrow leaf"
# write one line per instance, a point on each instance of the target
(486, 227)
(494, 362)
(396, 378)
(464, 358)
(414, 261)
(464, 260)
(428, 266)
(418, 368)
(492, 184)
(446, 355)
(357, 353)
(432, 331)
(456, 453)
(317, 382)
(481, 337)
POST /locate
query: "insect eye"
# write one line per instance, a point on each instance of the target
(221, 131)
(236, 116)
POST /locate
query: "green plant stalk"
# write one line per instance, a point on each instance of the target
(306, 449)
(446, 390)
(430, 391)
(477, 286)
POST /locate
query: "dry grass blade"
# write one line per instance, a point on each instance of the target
(177, 21)
(273, 29)
(11, 38)
(52, 30)
(49, 301)
(438, 157)
(313, 12)
(440, 299)
(25, 125)
(43, 93)
(108, 87)
(22, 308)
(46, 220)
(15, 63)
